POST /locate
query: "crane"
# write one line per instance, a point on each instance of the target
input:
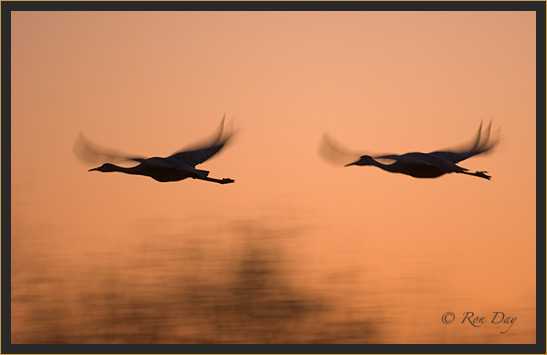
(418, 165)
(176, 167)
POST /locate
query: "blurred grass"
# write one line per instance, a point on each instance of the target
(183, 289)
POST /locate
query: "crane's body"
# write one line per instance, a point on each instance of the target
(418, 165)
(163, 170)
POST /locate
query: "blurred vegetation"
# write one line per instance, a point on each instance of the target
(198, 290)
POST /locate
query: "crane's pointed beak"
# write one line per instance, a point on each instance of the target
(93, 169)
(350, 164)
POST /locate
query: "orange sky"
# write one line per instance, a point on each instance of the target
(150, 83)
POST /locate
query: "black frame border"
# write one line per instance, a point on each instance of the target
(8, 6)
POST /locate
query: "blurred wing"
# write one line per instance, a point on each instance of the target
(195, 157)
(334, 153)
(479, 145)
(220, 130)
(202, 153)
(90, 153)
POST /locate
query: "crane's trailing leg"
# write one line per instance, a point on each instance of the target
(477, 173)
(218, 181)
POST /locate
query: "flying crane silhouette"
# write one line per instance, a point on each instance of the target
(176, 167)
(418, 165)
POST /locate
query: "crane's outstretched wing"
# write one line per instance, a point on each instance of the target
(90, 153)
(195, 157)
(336, 154)
(198, 155)
(480, 145)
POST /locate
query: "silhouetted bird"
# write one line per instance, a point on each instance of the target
(420, 165)
(176, 167)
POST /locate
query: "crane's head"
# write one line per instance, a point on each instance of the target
(105, 168)
(364, 160)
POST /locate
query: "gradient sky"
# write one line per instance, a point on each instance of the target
(150, 83)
